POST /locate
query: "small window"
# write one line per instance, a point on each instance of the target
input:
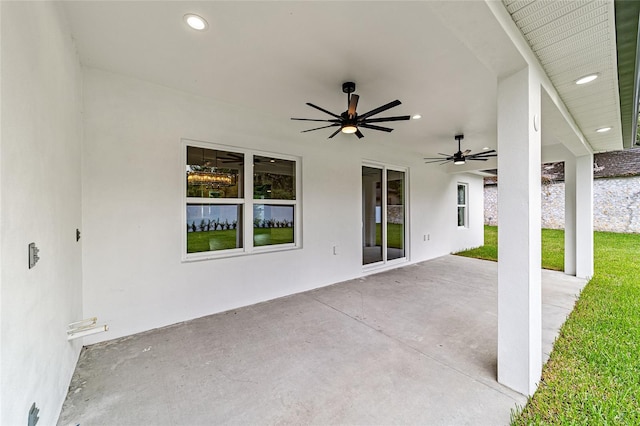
(273, 179)
(212, 227)
(212, 173)
(272, 224)
(220, 219)
(462, 205)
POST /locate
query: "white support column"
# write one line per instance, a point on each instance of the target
(519, 241)
(584, 216)
(570, 216)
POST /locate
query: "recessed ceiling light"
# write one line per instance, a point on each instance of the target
(586, 79)
(196, 22)
(416, 117)
(603, 129)
(486, 148)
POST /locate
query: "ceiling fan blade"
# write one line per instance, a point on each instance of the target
(353, 104)
(381, 108)
(315, 119)
(382, 119)
(481, 155)
(318, 128)
(334, 133)
(359, 134)
(371, 126)
(485, 157)
(438, 159)
(441, 160)
(466, 152)
(323, 110)
(476, 159)
(491, 153)
(446, 155)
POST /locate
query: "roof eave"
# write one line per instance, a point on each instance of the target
(627, 43)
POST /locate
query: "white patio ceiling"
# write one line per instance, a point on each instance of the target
(441, 59)
(572, 39)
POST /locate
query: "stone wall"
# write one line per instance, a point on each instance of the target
(616, 205)
(395, 213)
(491, 205)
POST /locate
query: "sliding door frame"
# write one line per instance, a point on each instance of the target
(385, 262)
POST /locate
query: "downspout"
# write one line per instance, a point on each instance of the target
(636, 88)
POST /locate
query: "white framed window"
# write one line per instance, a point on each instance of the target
(238, 201)
(463, 205)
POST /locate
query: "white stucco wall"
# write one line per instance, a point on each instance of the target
(132, 205)
(39, 202)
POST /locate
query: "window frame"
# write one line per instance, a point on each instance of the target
(464, 206)
(386, 262)
(246, 201)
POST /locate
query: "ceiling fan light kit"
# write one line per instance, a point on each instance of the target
(459, 158)
(349, 128)
(350, 121)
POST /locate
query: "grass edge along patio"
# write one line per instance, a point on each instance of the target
(592, 374)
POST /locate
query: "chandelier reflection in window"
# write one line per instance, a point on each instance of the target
(210, 179)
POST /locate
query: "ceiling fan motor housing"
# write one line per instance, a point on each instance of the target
(348, 87)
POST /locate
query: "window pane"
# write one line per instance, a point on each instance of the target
(371, 215)
(461, 216)
(395, 214)
(274, 178)
(272, 224)
(462, 196)
(213, 227)
(214, 174)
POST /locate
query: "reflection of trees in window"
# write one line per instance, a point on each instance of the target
(395, 188)
(274, 179)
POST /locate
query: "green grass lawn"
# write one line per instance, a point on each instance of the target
(395, 235)
(223, 240)
(552, 248)
(270, 236)
(593, 374)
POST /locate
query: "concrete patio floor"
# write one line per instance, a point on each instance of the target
(415, 345)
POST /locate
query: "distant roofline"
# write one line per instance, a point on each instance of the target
(612, 164)
(627, 43)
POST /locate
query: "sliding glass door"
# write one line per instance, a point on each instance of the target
(383, 214)
(395, 215)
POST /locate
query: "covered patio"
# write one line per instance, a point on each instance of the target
(109, 107)
(414, 345)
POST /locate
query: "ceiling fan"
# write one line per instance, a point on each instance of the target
(349, 121)
(461, 157)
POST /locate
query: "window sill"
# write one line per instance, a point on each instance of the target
(237, 253)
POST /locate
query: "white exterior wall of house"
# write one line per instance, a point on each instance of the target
(39, 202)
(97, 151)
(133, 183)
